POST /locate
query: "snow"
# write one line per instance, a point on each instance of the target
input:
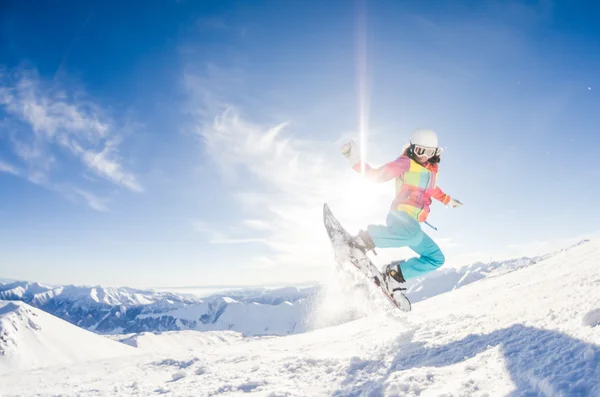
(178, 375)
(225, 314)
(445, 280)
(81, 296)
(115, 310)
(110, 296)
(529, 331)
(179, 340)
(21, 289)
(31, 338)
(258, 319)
(592, 318)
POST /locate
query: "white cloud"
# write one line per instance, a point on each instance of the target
(281, 182)
(224, 235)
(48, 112)
(257, 224)
(8, 168)
(105, 163)
(48, 121)
(34, 153)
(229, 240)
(73, 193)
(95, 202)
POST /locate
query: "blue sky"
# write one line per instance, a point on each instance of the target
(193, 143)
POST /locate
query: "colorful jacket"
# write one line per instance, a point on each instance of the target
(415, 185)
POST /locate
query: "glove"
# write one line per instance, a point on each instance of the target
(454, 203)
(351, 152)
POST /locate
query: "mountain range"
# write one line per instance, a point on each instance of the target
(253, 311)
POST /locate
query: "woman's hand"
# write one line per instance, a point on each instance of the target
(351, 152)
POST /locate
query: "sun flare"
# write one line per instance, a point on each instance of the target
(359, 201)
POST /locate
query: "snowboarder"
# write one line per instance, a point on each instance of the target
(415, 172)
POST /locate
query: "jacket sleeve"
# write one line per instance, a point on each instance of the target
(439, 195)
(388, 171)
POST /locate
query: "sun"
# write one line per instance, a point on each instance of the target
(359, 201)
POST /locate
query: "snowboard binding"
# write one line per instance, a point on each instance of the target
(363, 242)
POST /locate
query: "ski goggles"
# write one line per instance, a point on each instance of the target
(425, 151)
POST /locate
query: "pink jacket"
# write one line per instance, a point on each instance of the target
(415, 185)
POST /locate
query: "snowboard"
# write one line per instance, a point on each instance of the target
(345, 251)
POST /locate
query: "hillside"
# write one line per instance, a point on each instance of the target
(31, 338)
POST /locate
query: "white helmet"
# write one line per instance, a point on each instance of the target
(424, 143)
(424, 137)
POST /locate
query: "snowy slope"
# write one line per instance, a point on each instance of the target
(531, 332)
(449, 279)
(31, 338)
(173, 341)
(445, 280)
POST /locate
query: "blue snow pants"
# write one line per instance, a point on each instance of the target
(402, 230)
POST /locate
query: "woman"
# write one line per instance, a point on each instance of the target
(415, 172)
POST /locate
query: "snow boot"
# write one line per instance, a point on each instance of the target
(392, 276)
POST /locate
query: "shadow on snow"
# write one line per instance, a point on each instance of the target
(540, 362)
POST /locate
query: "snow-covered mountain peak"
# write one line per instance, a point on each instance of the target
(16, 318)
(21, 290)
(13, 308)
(31, 338)
(97, 295)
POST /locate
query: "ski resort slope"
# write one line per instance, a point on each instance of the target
(531, 332)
